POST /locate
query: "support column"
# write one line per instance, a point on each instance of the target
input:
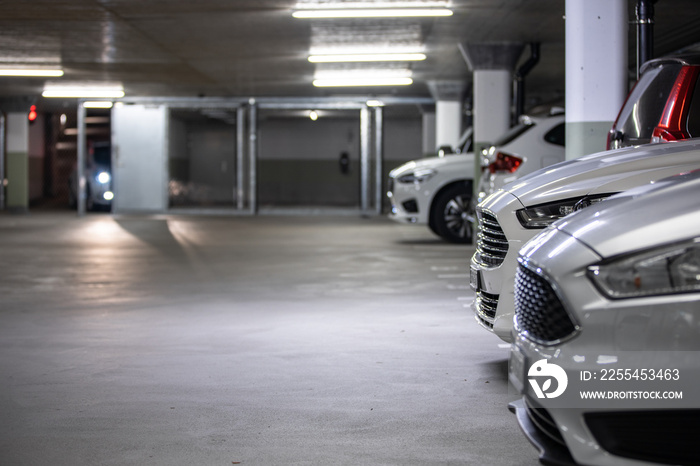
(2, 161)
(252, 156)
(82, 153)
(596, 72)
(448, 97)
(379, 159)
(17, 161)
(428, 122)
(365, 134)
(493, 65)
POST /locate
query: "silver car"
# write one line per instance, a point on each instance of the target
(512, 216)
(610, 298)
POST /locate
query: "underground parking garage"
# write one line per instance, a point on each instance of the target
(327, 232)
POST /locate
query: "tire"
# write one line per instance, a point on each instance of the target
(452, 214)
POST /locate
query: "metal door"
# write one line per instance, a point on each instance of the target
(139, 158)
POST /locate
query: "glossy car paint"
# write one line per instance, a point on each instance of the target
(644, 218)
(532, 148)
(607, 172)
(450, 169)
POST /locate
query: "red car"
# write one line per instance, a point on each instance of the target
(662, 106)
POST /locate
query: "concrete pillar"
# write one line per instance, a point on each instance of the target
(429, 133)
(17, 161)
(448, 97)
(491, 104)
(493, 65)
(596, 72)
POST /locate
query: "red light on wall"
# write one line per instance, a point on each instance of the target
(32, 114)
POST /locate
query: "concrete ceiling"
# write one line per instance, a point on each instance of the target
(255, 47)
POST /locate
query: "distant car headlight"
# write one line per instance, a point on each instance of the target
(660, 271)
(103, 177)
(418, 176)
(108, 195)
(543, 215)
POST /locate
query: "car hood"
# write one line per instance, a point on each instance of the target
(658, 213)
(435, 163)
(606, 172)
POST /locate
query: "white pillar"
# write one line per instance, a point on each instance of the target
(429, 133)
(596, 71)
(492, 98)
(448, 97)
(448, 123)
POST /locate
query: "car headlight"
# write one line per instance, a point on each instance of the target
(418, 176)
(543, 215)
(666, 270)
(103, 177)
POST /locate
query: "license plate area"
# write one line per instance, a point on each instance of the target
(475, 279)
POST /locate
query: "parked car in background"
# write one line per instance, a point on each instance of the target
(662, 106)
(510, 217)
(98, 178)
(611, 295)
(436, 191)
(536, 142)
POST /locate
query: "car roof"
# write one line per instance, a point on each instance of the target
(692, 59)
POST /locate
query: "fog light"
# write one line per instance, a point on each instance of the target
(108, 195)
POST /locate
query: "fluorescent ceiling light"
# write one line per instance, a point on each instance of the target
(371, 13)
(366, 57)
(31, 72)
(362, 81)
(88, 92)
(374, 103)
(98, 104)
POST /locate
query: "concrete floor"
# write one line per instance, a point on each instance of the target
(259, 341)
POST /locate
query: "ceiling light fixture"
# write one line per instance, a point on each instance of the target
(366, 57)
(98, 104)
(44, 73)
(362, 81)
(83, 91)
(372, 13)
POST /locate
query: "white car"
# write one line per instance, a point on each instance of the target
(607, 314)
(436, 191)
(510, 217)
(536, 142)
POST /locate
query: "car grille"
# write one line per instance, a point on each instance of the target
(491, 242)
(539, 313)
(486, 304)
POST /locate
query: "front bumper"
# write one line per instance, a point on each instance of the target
(611, 336)
(492, 280)
(409, 203)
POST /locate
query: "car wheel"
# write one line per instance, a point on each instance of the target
(453, 215)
